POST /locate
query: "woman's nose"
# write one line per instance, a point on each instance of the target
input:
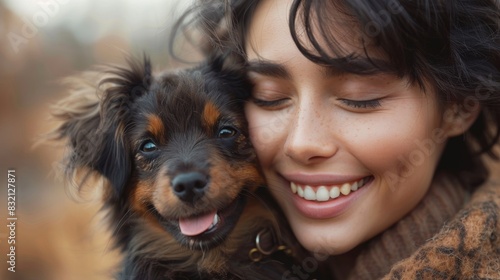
(310, 137)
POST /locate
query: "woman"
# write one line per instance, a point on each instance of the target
(368, 118)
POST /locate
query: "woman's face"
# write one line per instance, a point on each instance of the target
(346, 156)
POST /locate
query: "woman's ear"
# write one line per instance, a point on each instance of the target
(459, 117)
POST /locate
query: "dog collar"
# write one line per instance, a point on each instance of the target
(265, 244)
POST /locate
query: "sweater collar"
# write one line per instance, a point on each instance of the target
(445, 198)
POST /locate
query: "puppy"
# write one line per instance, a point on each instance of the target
(181, 177)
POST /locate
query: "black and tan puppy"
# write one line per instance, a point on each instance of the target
(180, 171)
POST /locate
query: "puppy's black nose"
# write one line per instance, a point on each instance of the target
(189, 186)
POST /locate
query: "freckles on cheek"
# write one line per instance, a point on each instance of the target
(383, 146)
(262, 138)
(402, 152)
(266, 130)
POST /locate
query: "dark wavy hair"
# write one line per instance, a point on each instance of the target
(452, 45)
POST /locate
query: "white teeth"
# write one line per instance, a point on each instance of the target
(345, 189)
(309, 193)
(300, 191)
(354, 187)
(334, 192)
(216, 219)
(322, 193)
(214, 222)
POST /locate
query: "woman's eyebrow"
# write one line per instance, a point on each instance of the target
(358, 65)
(268, 68)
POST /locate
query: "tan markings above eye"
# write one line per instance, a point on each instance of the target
(156, 127)
(210, 116)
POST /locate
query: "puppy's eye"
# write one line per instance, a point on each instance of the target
(227, 132)
(148, 146)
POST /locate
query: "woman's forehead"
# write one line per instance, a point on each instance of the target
(269, 40)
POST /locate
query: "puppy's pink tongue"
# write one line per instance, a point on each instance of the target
(196, 225)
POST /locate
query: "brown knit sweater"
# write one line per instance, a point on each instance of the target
(420, 247)
(468, 247)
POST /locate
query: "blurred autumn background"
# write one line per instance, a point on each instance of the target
(44, 41)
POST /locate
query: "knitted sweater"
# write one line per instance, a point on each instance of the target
(420, 247)
(468, 247)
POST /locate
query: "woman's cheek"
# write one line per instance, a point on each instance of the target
(266, 128)
(389, 147)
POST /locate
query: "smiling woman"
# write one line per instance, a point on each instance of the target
(369, 119)
(338, 128)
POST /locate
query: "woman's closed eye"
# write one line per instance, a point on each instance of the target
(270, 95)
(269, 104)
(361, 104)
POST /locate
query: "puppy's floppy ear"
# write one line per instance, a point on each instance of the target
(94, 123)
(230, 72)
(123, 88)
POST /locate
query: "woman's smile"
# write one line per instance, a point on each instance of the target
(325, 192)
(329, 199)
(331, 144)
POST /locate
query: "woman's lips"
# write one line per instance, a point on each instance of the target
(327, 200)
(321, 179)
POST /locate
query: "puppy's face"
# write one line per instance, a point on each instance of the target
(192, 162)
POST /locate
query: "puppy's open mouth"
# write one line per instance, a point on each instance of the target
(197, 225)
(206, 230)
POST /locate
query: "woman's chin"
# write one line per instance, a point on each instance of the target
(323, 242)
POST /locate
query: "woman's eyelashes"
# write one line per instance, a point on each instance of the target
(354, 104)
(276, 95)
(361, 104)
(269, 104)
(270, 95)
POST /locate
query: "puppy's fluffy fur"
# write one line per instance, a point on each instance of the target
(142, 132)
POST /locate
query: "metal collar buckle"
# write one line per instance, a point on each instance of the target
(259, 251)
